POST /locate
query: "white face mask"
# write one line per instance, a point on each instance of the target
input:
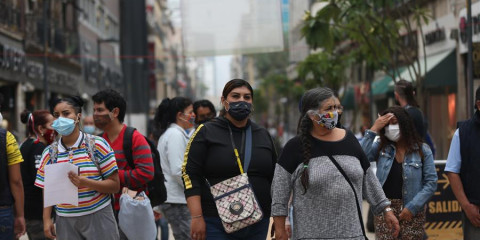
(392, 132)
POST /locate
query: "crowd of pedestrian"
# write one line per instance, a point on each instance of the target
(221, 176)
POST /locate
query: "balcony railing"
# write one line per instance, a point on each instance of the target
(10, 18)
(59, 40)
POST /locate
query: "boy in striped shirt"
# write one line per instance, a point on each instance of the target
(93, 218)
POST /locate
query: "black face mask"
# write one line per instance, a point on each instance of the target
(203, 121)
(239, 110)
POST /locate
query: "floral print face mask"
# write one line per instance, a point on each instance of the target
(327, 120)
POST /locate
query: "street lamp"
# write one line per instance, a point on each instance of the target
(99, 54)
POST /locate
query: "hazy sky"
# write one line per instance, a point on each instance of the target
(222, 63)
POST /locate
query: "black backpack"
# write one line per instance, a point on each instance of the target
(156, 188)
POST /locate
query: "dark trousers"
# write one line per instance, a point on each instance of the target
(257, 231)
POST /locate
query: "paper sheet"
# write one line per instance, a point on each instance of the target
(58, 188)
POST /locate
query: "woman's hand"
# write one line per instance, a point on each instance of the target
(405, 215)
(392, 223)
(49, 229)
(288, 230)
(197, 229)
(76, 180)
(381, 122)
(281, 234)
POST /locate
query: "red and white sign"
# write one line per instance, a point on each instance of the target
(463, 24)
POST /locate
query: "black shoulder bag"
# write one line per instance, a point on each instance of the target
(354, 192)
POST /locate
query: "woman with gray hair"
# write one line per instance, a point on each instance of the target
(327, 172)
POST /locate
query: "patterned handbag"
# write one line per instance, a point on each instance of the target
(236, 203)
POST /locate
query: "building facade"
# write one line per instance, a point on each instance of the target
(39, 50)
(99, 41)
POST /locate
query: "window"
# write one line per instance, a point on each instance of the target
(112, 29)
(91, 12)
(100, 19)
(107, 25)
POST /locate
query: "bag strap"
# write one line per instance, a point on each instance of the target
(248, 149)
(127, 146)
(354, 192)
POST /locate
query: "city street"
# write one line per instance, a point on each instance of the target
(156, 97)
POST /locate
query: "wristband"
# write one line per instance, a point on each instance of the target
(198, 216)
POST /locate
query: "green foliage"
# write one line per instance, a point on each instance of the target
(270, 63)
(282, 86)
(272, 81)
(317, 29)
(367, 31)
(323, 69)
(259, 101)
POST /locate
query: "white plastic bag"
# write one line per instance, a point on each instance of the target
(136, 217)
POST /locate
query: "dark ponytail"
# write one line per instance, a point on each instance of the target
(33, 120)
(311, 100)
(167, 112)
(406, 91)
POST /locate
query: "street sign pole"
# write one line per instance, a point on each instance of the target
(470, 104)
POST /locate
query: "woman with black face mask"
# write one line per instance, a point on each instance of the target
(219, 150)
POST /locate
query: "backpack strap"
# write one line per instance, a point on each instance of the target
(91, 146)
(54, 151)
(127, 146)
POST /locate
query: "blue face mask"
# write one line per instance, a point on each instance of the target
(90, 129)
(64, 126)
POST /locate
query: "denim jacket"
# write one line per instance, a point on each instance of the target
(419, 178)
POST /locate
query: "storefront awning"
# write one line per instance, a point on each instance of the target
(444, 74)
(384, 84)
(441, 70)
(348, 99)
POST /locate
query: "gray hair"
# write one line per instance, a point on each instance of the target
(313, 99)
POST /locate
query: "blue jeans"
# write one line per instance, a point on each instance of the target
(6, 223)
(257, 231)
(163, 224)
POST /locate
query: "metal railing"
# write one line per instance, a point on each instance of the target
(10, 18)
(59, 40)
